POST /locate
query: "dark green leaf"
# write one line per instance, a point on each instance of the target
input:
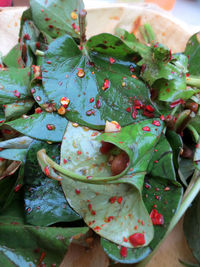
(90, 105)
(138, 142)
(14, 154)
(17, 109)
(45, 203)
(55, 17)
(186, 169)
(17, 143)
(36, 126)
(13, 58)
(191, 227)
(192, 51)
(14, 85)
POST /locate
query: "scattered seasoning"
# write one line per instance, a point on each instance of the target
(167, 188)
(61, 110)
(156, 123)
(157, 218)
(91, 99)
(64, 101)
(80, 73)
(146, 129)
(17, 187)
(110, 218)
(137, 239)
(177, 102)
(38, 110)
(46, 170)
(119, 200)
(112, 199)
(106, 84)
(112, 60)
(123, 252)
(77, 191)
(73, 15)
(79, 152)
(51, 127)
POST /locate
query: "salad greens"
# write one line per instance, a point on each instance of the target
(112, 121)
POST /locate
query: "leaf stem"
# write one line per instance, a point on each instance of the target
(39, 53)
(193, 81)
(82, 26)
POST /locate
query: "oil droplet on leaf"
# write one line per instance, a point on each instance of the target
(81, 73)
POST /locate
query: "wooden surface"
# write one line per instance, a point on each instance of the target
(171, 32)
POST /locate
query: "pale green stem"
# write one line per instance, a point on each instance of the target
(193, 81)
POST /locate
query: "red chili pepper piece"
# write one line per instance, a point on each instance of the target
(146, 129)
(157, 218)
(123, 252)
(177, 102)
(137, 239)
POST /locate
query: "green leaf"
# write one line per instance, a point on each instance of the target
(45, 202)
(14, 154)
(36, 126)
(134, 255)
(19, 108)
(55, 17)
(186, 169)
(16, 143)
(14, 85)
(138, 144)
(192, 51)
(13, 58)
(30, 35)
(191, 227)
(161, 163)
(90, 105)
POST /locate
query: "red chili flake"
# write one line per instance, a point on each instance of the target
(90, 207)
(37, 45)
(146, 129)
(43, 254)
(77, 191)
(112, 60)
(177, 102)
(64, 161)
(91, 99)
(42, 10)
(167, 90)
(138, 104)
(128, 109)
(47, 19)
(33, 91)
(156, 45)
(49, 62)
(162, 117)
(73, 26)
(38, 110)
(50, 26)
(157, 218)
(148, 114)
(137, 239)
(17, 94)
(112, 199)
(79, 152)
(110, 218)
(93, 212)
(156, 123)
(132, 68)
(27, 36)
(119, 200)
(50, 127)
(143, 68)
(106, 84)
(155, 161)
(167, 188)
(158, 197)
(98, 103)
(89, 177)
(149, 108)
(17, 187)
(90, 112)
(38, 98)
(97, 228)
(123, 252)
(2, 121)
(187, 74)
(147, 186)
(46, 170)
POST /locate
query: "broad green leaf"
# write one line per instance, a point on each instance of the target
(45, 202)
(17, 109)
(14, 85)
(191, 227)
(176, 143)
(17, 143)
(13, 58)
(138, 144)
(39, 93)
(36, 126)
(186, 169)
(24, 245)
(14, 154)
(161, 163)
(134, 255)
(192, 51)
(90, 105)
(171, 90)
(57, 18)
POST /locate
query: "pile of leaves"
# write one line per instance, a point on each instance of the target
(57, 90)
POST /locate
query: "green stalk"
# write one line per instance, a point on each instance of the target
(45, 161)
(39, 53)
(193, 81)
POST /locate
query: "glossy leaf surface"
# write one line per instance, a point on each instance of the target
(97, 89)
(44, 126)
(45, 203)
